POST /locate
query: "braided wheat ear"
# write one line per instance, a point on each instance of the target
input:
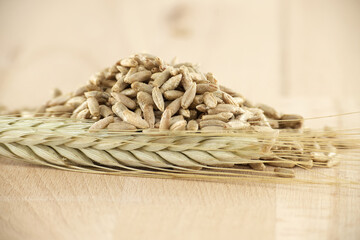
(68, 144)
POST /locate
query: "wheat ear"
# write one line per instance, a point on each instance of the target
(68, 143)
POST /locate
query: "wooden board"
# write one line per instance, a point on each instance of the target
(42, 203)
(299, 56)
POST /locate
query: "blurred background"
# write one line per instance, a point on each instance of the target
(296, 55)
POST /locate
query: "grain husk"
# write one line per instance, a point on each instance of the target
(210, 100)
(171, 84)
(118, 108)
(192, 125)
(128, 102)
(161, 78)
(204, 87)
(105, 111)
(134, 119)
(120, 126)
(129, 92)
(158, 99)
(139, 86)
(138, 77)
(149, 115)
(129, 62)
(165, 120)
(223, 116)
(174, 106)
(185, 113)
(173, 94)
(186, 80)
(143, 99)
(226, 108)
(101, 124)
(189, 96)
(93, 106)
(179, 126)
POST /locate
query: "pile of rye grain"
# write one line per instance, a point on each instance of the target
(143, 91)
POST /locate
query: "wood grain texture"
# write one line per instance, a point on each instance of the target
(37, 203)
(299, 56)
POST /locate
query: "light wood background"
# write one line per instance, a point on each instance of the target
(297, 55)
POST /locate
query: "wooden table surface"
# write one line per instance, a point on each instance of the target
(43, 203)
(299, 56)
